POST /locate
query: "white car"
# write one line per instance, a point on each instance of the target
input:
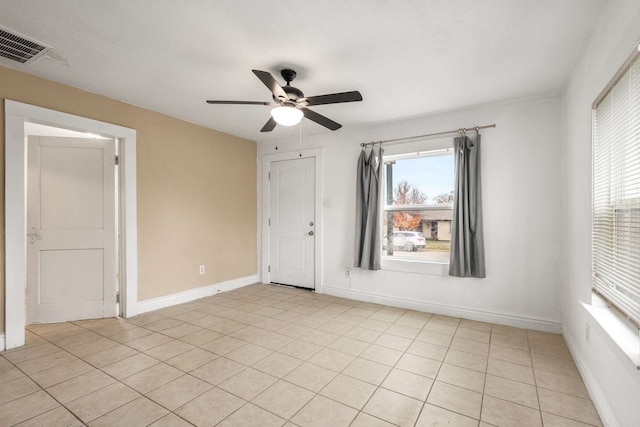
(409, 241)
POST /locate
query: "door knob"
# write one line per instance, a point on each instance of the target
(310, 233)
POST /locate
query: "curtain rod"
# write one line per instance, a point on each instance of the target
(461, 130)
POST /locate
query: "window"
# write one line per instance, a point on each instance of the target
(418, 205)
(616, 192)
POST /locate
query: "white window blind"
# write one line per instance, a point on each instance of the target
(616, 192)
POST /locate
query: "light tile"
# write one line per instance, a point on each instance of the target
(152, 378)
(502, 413)
(375, 325)
(218, 370)
(363, 334)
(191, 360)
(509, 354)
(554, 364)
(440, 328)
(470, 346)
(366, 420)
(512, 391)
(98, 403)
(252, 416)
(519, 342)
(349, 346)
(210, 408)
(319, 337)
(564, 405)
(366, 370)
(171, 420)
(249, 354)
(434, 416)
(331, 359)
(551, 420)
(512, 371)
(473, 335)
(59, 416)
(200, 337)
(403, 331)
(379, 354)
(179, 391)
(60, 373)
(248, 383)
(393, 341)
(16, 389)
(224, 345)
(139, 412)
(409, 384)
(149, 341)
(129, 366)
(443, 340)
(461, 377)
(419, 365)
(350, 391)
(26, 407)
(509, 330)
(393, 407)
(310, 376)
(431, 351)
(273, 340)
(321, 412)
(283, 399)
(561, 383)
(109, 355)
(169, 349)
(79, 386)
(47, 361)
(456, 399)
(300, 349)
(277, 364)
(463, 359)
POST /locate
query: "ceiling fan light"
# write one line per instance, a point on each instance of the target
(286, 116)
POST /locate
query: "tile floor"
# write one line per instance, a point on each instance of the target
(271, 356)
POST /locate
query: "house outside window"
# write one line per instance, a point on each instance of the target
(418, 204)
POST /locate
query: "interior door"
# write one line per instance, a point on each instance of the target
(292, 220)
(71, 231)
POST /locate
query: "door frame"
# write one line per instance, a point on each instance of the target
(267, 159)
(16, 115)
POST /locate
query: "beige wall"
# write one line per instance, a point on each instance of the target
(196, 189)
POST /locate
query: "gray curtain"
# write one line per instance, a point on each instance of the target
(467, 240)
(367, 243)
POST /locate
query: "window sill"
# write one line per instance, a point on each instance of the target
(434, 268)
(621, 332)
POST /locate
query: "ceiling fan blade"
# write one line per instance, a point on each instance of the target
(268, 127)
(320, 119)
(334, 98)
(271, 83)
(241, 102)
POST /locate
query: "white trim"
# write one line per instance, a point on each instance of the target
(607, 416)
(449, 310)
(194, 294)
(16, 114)
(317, 154)
(2, 342)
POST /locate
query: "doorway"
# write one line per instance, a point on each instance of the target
(16, 116)
(292, 219)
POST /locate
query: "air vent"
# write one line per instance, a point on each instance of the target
(18, 48)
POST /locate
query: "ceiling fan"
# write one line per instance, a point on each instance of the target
(291, 104)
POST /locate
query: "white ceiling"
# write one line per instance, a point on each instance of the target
(407, 57)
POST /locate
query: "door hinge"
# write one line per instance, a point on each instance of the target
(269, 221)
(269, 269)
(118, 297)
(269, 175)
(117, 160)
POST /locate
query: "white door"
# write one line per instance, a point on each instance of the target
(292, 218)
(71, 233)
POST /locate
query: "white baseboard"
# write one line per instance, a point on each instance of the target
(607, 416)
(194, 294)
(2, 342)
(449, 310)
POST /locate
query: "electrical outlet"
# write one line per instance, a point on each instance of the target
(587, 332)
(347, 273)
(201, 270)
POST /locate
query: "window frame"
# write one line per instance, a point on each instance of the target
(408, 150)
(607, 206)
